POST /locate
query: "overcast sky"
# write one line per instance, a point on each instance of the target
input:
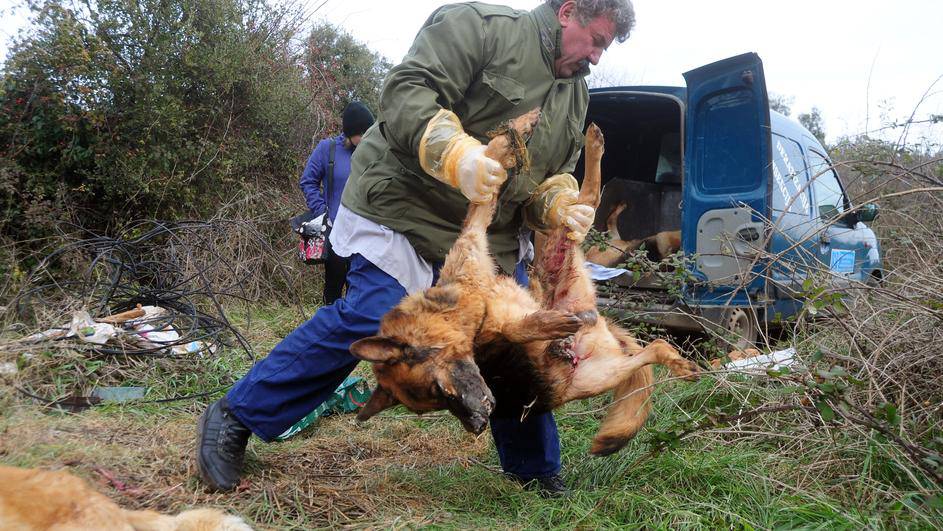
(853, 59)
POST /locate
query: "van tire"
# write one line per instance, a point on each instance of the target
(741, 325)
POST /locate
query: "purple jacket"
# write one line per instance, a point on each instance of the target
(315, 174)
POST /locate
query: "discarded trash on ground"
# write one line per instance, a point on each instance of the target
(118, 394)
(349, 396)
(131, 311)
(145, 328)
(735, 355)
(751, 361)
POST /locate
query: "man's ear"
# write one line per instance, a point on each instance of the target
(376, 349)
(565, 13)
(380, 399)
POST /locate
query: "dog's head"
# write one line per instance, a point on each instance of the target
(423, 358)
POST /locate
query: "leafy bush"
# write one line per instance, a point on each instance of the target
(340, 70)
(122, 110)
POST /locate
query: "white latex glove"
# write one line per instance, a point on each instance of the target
(578, 218)
(478, 176)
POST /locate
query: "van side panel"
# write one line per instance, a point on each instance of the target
(793, 238)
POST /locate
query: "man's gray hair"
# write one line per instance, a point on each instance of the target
(620, 12)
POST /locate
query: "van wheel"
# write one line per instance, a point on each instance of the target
(740, 325)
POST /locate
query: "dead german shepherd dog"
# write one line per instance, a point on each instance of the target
(477, 341)
(44, 499)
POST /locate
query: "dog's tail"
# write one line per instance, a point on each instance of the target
(627, 414)
(630, 403)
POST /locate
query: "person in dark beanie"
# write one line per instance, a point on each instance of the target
(322, 190)
(356, 119)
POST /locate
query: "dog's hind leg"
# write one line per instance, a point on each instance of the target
(626, 369)
(561, 266)
(609, 365)
(468, 260)
(592, 173)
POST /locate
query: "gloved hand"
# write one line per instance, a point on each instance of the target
(578, 218)
(452, 156)
(575, 216)
(478, 175)
(554, 203)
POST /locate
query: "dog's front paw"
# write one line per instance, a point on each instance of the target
(558, 324)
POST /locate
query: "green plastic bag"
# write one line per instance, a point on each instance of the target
(350, 396)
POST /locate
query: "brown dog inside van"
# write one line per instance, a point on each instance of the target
(657, 247)
(477, 340)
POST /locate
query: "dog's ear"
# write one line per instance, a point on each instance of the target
(380, 399)
(377, 349)
(440, 298)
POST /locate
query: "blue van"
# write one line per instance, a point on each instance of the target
(758, 205)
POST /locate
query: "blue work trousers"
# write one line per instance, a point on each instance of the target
(303, 370)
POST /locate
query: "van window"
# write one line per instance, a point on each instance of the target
(669, 159)
(790, 180)
(828, 192)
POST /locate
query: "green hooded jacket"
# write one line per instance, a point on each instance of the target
(486, 64)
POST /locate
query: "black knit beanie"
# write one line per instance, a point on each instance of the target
(356, 119)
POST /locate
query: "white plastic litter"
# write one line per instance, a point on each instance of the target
(47, 335)
(758, 365)
(140, 331)
(86, 329)
(163, 336)
(598, 272)
(151, 337)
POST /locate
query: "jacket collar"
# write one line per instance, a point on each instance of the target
(548, 29)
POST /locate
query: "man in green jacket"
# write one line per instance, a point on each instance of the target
(471, 67)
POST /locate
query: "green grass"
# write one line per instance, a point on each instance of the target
(400, 470)
(698, 486)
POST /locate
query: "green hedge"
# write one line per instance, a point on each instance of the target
(127, 109)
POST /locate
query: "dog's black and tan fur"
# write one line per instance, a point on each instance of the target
(478, 339)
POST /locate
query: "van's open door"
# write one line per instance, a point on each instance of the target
(726, 176)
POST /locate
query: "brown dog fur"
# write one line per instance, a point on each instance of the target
(659, 246)
(437, 349)
(56, 500)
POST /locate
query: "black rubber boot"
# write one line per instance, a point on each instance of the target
(547, 487)
(221, 447)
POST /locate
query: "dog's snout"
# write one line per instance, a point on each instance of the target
(478, 424)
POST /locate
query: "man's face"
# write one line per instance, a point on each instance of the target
(355, 140)
(581, 45)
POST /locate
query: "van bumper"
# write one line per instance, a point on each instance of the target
(671, 316)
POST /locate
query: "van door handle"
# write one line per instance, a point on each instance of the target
(748, 234)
